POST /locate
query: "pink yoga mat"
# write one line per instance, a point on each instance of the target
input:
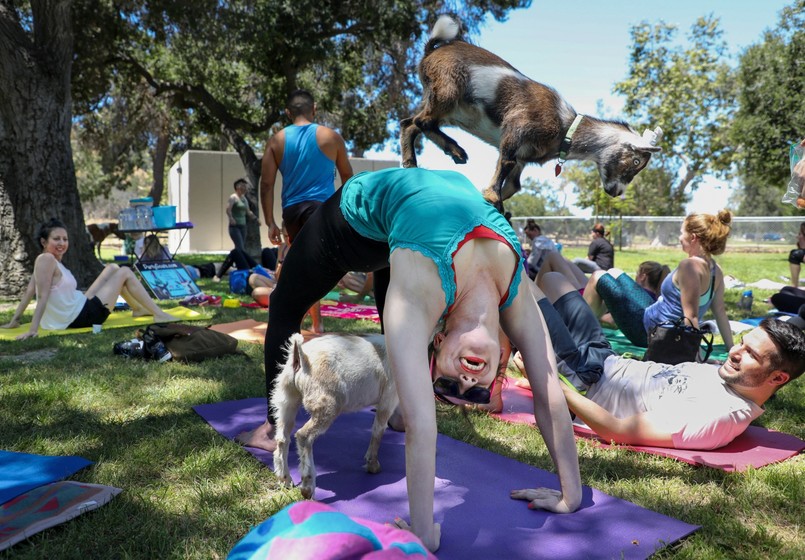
(344, 310)
(472, 503)
(756, 447)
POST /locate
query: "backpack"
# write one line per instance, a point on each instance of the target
(188, 343)
(239, 281)
(789, 299)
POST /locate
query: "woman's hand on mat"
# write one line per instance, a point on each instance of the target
(542, 498)
(401, 523)
(29, 334)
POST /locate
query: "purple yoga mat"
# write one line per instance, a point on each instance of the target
(478, 518)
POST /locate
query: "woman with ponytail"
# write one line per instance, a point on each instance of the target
(696, 285)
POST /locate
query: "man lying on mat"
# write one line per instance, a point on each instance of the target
(60, 306)
(448, 270)
(686, 406)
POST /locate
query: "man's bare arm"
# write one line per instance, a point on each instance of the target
(268, 177)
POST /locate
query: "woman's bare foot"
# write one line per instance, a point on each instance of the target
(163, 317)
(262, 437)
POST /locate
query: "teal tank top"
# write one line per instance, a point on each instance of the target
(430, 212)
(239, 212)
(307, 174)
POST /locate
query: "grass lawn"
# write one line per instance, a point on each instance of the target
(189, 493)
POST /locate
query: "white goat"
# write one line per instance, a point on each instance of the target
(330, 375)
(469, 87)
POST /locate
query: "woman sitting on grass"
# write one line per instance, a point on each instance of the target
(59, 305)
(695, 286)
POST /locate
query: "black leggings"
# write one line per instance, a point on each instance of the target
(241, 259)
(325, 249)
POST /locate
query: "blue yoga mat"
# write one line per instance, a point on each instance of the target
(20, 472)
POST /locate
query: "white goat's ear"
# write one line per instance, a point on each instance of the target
(650, 140)
(652, 137)
(657, 136)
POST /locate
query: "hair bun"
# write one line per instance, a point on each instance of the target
(725, 217)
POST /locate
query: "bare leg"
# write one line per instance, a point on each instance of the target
(110, 285)
(794, 274)
(315, 317)
(262, 437)
(135, 312)
(554, 262)
(262, 287)
(107, 273)
(261, 295)
(591, 294)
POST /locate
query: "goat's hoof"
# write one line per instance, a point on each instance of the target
(307, 492)
(285, 480)
(459, 157)
(372, 467)
(407, 164)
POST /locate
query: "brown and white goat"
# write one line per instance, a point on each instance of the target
(473, 89)
(99, 231)
(330, 375)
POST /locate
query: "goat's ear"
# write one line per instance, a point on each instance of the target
(652, 137)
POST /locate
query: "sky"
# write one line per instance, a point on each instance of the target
(581, 48)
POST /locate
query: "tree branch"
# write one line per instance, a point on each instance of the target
(200, 95)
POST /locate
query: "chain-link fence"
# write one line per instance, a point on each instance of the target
(757, 233)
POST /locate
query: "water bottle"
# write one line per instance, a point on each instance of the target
(127, 219)
(145, 217)
(746, 301)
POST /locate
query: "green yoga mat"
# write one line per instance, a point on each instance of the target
(622, 345)
(116, 320)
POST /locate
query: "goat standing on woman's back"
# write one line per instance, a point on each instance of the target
(469, 87)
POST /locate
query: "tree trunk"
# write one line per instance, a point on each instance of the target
(37, 177)
(160, 156)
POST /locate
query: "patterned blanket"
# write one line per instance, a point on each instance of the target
(47, 506)
(314, 531)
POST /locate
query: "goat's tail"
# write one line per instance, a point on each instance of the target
(296, 356)
(446, 29)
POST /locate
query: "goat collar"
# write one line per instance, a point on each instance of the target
(564, 147)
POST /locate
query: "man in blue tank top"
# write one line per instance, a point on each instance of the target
(307, 155)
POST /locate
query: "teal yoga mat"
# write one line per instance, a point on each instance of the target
(622, 345)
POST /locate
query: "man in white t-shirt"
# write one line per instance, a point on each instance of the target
(686, 406)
